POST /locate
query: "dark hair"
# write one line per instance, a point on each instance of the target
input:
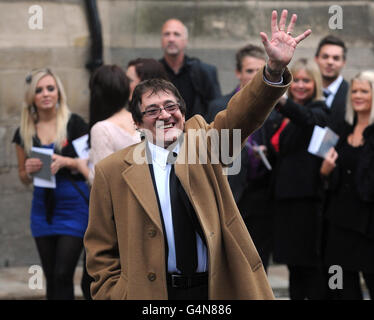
(248, 51)
(334, 40)
(148, 69)
(109, 92)
(153, 85)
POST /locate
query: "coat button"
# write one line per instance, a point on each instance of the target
(152, 233)
(151, 276)
(349, 171)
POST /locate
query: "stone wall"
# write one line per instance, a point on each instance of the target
(131, 29)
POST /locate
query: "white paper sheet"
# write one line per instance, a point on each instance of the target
(322, 140)
(81, 146)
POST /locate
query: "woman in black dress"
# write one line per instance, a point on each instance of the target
(297, 184)
(350, 210)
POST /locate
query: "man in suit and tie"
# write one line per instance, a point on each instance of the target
(136, 248)
(331, 58)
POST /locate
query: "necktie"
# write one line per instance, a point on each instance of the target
(184, 232)
(326, 93)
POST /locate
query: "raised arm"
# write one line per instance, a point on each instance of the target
(281, 47)
(248, 109)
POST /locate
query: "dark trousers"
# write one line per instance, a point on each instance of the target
(59, 257)
(352, 289)
(195, 293)
(307, 283)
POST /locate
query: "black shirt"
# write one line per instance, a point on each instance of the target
(197, 83)
(183, 83)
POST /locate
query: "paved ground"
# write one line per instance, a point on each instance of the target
(14, 283)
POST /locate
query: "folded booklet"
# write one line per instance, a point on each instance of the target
(43, 177)
(322, 140)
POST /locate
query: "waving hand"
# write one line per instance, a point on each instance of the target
(280, 48)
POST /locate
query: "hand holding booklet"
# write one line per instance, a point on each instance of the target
(259, 151)
(322, 140)
(43, 178)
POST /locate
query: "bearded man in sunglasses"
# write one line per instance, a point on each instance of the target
(168, 227)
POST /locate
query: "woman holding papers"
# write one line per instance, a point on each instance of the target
(297, 184)
(350, 209)
(59, 211)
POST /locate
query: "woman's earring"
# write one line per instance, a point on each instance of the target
(57, 105)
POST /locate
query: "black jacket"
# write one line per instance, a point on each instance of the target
(297, 173)
(351, 201)
(218, 105)
(205, 85)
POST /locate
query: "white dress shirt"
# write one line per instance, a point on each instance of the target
(161, 172)
(333, 89)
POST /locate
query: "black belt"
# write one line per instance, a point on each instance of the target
(183, 282)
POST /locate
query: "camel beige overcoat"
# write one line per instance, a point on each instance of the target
(124, 240)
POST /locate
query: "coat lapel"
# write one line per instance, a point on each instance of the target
(138, 178)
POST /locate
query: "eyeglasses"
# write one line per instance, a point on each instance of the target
(154, 112)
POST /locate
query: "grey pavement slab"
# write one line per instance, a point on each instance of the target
(14, 283)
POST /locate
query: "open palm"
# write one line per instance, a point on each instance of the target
(281, 47)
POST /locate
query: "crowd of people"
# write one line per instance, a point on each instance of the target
(285, 204)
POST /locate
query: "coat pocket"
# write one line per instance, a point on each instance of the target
(242, 243)
(119, 291)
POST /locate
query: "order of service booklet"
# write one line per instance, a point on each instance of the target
(43, 177)
(322, 140)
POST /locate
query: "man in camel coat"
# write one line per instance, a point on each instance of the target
(131, 253)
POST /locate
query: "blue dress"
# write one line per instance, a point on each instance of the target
(70, 215)
(70, 207)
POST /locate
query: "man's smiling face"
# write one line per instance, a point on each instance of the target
(166, 127)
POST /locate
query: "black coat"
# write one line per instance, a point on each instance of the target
(298, 187)
(297, 173)
(350, 208)
(218, 105)
(351, 203)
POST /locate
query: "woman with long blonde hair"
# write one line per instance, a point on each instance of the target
(350, 208)
(58, 215)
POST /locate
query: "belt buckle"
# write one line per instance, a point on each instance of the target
(184, 282)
